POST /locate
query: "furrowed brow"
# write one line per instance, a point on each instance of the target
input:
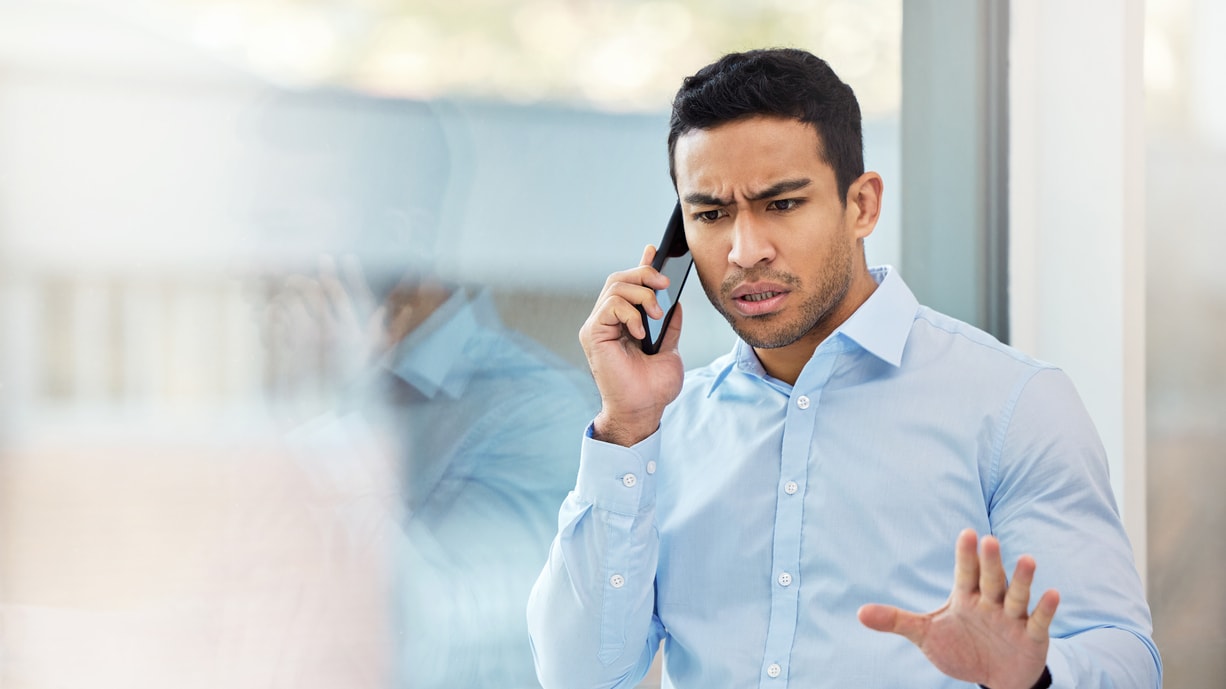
(700, 199)
(781, 188)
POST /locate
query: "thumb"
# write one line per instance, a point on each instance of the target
(673, 335)
(887, 618)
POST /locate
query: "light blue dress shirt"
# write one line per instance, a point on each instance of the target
(749, 529)
(481, 424)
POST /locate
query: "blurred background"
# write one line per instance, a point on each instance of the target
(218, 218)
(1185, 89)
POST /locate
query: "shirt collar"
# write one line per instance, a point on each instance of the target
(882, 323)
(441, 354)
(880, 327)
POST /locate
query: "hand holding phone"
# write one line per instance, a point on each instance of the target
(673, 260)
(635, 389)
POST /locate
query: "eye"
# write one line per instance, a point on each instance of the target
(784, 204)
(709, 216)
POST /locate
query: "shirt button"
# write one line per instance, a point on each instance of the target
(802, 402)
(629, 480)
(774, 670)
(791, 487)
(617, 581)
(785, 579)
(651, 466)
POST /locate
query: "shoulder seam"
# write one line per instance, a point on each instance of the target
(923, 313)
(1006, 420)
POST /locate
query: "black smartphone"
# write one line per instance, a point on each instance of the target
(673, 259)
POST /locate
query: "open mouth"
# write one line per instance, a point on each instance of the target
(759, 296)
(759, 303)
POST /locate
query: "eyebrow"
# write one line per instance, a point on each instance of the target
(783, 187)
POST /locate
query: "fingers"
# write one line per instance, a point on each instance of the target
(1017, 599)
(635, 295)
(1014, 595)
(618, 312)
(992, 581)
(303, 306)
(879, 618)
(347, 291)
(672, 336)
(1040, 620)
(643, 275)
(624, 290)
(400, 322)
(966, 563)
(887, 618)
(306, 293)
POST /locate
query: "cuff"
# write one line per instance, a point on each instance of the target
(1044, 681)
(616, 478)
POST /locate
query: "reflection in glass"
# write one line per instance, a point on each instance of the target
(290, 390)
(448, 440)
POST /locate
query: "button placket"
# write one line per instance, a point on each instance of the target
(798, 451)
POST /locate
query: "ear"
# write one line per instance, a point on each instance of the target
(864, 204)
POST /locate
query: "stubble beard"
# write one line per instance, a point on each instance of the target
(832, 288)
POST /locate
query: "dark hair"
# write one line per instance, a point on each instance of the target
(783, 82)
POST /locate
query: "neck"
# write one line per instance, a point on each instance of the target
(786, 363)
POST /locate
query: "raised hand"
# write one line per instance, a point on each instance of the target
(342, 313)
(984, 633)
(634, 387)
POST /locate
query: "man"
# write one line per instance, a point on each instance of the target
(437, 470)
(762, 516)
(448, 466)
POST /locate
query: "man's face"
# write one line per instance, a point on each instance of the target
(775, 247)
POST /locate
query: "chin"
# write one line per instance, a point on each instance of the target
(766, 338)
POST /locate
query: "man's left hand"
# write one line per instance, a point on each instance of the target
(983, 633)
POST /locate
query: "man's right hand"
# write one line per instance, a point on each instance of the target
(634, 386)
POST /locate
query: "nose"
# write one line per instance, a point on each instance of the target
(750, 243)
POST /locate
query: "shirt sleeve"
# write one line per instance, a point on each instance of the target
(454, 572)
(467, 559)
(591, 614)
(1052, 499)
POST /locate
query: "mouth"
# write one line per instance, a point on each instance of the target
(758, 300)
(759, 296)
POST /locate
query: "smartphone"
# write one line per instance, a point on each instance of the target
(673, 259)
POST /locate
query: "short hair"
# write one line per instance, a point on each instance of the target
(780, 82)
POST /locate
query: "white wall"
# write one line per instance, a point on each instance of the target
(1077, 272)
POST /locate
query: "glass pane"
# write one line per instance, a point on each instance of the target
(290, 300)
(1186, 161)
